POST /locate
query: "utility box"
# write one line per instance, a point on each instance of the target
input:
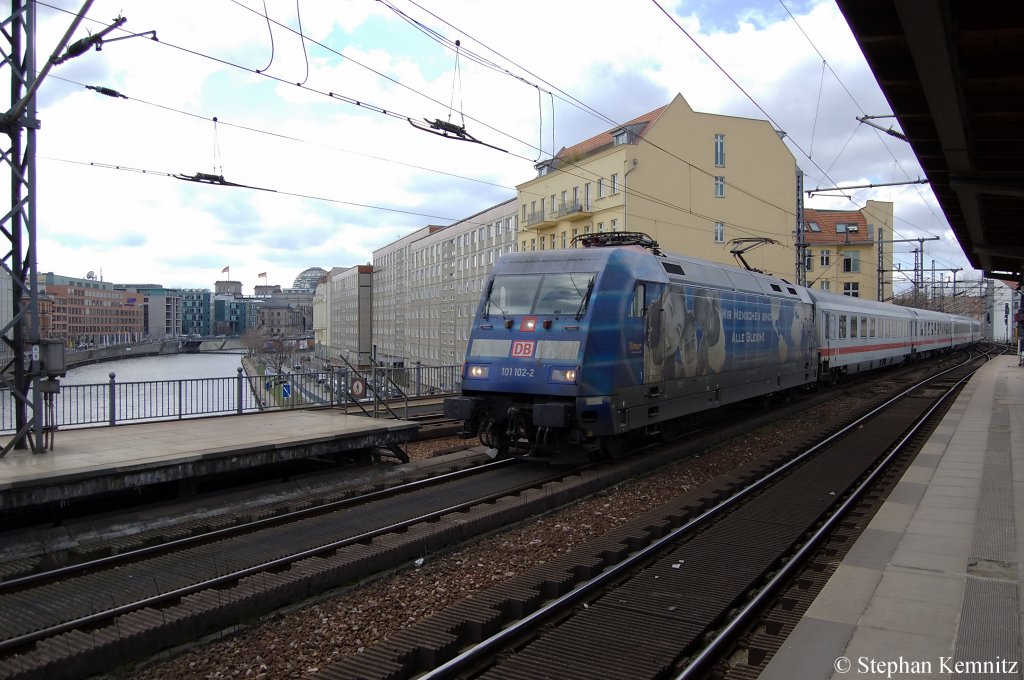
(51, 356)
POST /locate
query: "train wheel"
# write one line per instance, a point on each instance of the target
(616, 446)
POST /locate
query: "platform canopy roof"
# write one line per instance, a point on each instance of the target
(951, 72)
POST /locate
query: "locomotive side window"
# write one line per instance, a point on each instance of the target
(636, 305)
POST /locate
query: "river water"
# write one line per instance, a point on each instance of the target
(163, 367)
(164, 386)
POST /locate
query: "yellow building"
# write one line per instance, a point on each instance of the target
(842, 250)
(692, 181)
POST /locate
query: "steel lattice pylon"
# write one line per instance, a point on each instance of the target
(20, 374)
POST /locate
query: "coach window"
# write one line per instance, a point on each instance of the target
(872, 327)
(853, 326)
(842, 325)
(863, 327)
(827, 324)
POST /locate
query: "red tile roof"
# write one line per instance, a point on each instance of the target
(827, 220)
(605, 138)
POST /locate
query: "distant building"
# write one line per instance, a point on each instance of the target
(196, 311)
(843, 250)
(87, 311)
(231, 315)
(161, 310)
(280, 319)
(227, 288)
(308, 278)
(426, 286)
(348, 301)
(693, 181)
(266, 290)
(1002, 310)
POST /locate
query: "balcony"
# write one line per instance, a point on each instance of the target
(538, 220)
(573, 211)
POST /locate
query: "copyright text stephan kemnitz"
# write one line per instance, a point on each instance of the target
(903, 666)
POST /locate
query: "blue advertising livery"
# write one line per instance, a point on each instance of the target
(578, 350)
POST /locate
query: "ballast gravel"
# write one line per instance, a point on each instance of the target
(298, 643)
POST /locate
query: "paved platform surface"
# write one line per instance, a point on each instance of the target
(133, 455)
(932, 587)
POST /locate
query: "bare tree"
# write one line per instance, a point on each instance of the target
(277, 355)
(253, 341)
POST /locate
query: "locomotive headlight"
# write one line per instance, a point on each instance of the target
(477, 371)
(563, 375)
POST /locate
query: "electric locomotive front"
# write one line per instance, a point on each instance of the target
(547, 349)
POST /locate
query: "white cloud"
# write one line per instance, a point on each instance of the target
(620, 61)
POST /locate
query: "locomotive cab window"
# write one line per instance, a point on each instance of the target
(556, 294)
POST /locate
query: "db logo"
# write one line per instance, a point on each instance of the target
(522, 348)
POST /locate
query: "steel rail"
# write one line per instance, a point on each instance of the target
(756, 603)
(580, 592)
(81, 567)
(107, 614)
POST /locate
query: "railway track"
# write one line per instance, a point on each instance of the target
(116, 612)
(665, 596)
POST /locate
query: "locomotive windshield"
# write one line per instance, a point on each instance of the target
(539, 293)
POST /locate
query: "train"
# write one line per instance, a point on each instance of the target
(580, 352)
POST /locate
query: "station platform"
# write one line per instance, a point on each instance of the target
(94, 461)
(931, 589)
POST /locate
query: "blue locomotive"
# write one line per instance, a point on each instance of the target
(578, 350)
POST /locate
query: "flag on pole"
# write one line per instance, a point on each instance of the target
(225, 270)
(263, 275)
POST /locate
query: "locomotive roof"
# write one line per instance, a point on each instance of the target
(648, 266)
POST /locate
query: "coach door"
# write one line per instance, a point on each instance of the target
(827, 337)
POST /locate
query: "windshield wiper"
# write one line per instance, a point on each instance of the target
(586, 299)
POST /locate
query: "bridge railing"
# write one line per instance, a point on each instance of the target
(116, 402)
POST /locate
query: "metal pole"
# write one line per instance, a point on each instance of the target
(239, 395)
(111, 401)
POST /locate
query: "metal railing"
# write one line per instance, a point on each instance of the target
(115, 402)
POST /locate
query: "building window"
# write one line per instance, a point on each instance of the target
(552, 241)
(826, 258)
(851, 262)
(615, 183)
(824, 285)
(564, 240)
(586, 196)
(719, 232)
(851, 288)
(533, 244)
(600, 227)
(720, 151)
(719, 187)
(615, 225)
(808, 260)
(600, 187)
(813, 226)
(619, 138)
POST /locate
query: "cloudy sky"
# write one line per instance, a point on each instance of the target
(335, 179)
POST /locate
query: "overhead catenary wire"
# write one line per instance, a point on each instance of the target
(384, 111)
(377, 109)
